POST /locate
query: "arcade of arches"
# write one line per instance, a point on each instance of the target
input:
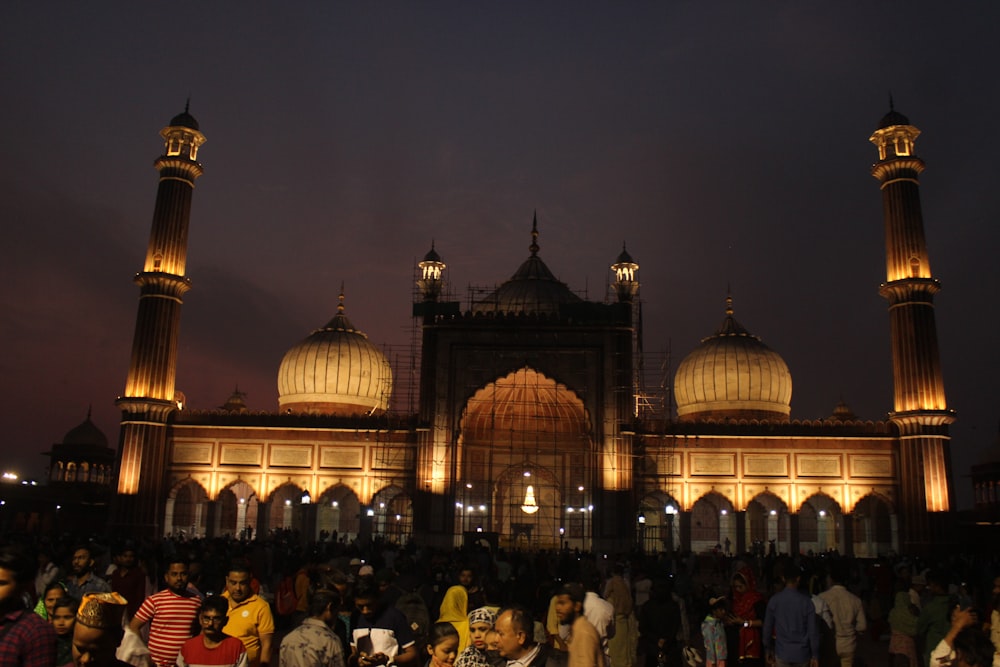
(712, 522)
(765, 524)
(238, 512)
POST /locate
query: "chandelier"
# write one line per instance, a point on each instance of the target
(529, 506)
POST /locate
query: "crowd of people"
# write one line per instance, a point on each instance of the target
(279, 602)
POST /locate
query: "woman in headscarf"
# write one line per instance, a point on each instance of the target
(453, 610)
(746, 620)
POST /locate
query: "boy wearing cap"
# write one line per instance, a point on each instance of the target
(98, 630)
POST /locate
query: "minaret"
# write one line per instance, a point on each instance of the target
(919, 410)
(149, 396)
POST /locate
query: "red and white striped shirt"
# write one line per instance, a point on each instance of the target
(171, 619)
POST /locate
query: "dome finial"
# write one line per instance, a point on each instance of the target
(187, 104)
(729, 301)
(892, 107)
(534, 234)
(340, 305)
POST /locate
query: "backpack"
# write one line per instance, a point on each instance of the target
(285, 602)
(417, 617)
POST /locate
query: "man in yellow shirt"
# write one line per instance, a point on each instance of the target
(250, 618)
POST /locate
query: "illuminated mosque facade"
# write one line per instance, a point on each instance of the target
(530, 425)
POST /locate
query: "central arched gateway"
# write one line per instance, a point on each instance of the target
(526, 462)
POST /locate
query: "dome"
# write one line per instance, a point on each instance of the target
(533, 289)
(842, 412)
(624, 257)
(236, 402)
(892, 118)
(432, 255)
(184, 119)
(86, 434)
(335, 370)
(733, 375)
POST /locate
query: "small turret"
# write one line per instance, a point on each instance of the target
(431, 271)
(626, 285)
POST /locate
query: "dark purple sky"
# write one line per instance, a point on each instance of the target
(725, 142)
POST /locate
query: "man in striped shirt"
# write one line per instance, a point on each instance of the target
(171, 614)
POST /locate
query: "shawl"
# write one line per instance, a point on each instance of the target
(744, 606)
(453, 610)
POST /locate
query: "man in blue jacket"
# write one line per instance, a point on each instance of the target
(791, 621)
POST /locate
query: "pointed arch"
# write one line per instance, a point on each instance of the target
(820, 524)
(875, 526)
(712, 522)
(767, 521)
(528, 407)
(660, 527)
(519, 421)
(393, 513)
(237, 509)
(285, 508)
(186, 509)
(338, 513)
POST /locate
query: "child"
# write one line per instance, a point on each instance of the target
(63, 618)
(213, 647)
(480, 625)
(714, 633)
(442, 645)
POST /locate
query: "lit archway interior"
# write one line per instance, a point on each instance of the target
(526, 430)
(338, 514)
(185, 509)
(820, 525)
(767, 524)
(237, 509)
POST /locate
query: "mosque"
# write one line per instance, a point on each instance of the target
(531, 426)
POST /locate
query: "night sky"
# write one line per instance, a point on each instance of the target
(725, 143)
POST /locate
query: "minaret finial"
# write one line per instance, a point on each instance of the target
(187, 104)
(729, 301)
(534, 234)
(340, 306)
(90, 410)
(892, 107)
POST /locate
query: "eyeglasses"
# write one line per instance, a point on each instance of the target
(213, 619)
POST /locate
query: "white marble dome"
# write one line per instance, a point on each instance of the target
(733, 375)
(335, 370)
